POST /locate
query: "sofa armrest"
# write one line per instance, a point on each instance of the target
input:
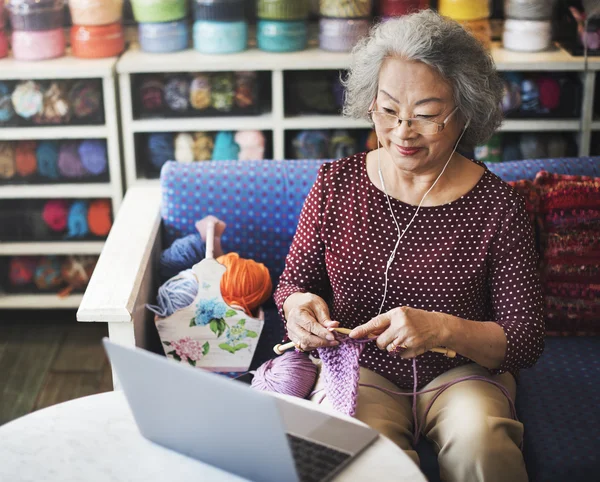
(123, 280)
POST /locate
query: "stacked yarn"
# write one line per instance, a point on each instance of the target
(245, 283)
(52, 160)
(527, 27)
(50, 272)
(322, 144)
(37, 29)
(97, 29)
(162, 24)
(220, 26)
(504, 147)
(343, 24)
(78, 218)
(473, 15)
(282, 25)
(204, 146)
(396, 8)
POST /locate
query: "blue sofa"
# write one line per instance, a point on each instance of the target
(260, 201)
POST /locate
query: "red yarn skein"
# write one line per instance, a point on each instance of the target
(25, 160)
(55, 214)
(99, 220)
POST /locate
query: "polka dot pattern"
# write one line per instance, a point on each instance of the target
(473, 258)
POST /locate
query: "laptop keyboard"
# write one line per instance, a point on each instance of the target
(314, 462)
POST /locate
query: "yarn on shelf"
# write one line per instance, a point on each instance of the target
(152, 94)
(99, 219)
(28, 99)
(25, 160)
(161, 148)
(203, 146)
(77, 223)
(76, 272)
(93, 156)
(252, 145)
(21, 270)
(177, 93)
(7, 111)
(184, 148)
(223, 91)
(86, 99)
(55, 214)
(225, 147)
(48, 274)
(200, 94)
(7, 160)
(47, 159)
(56, 108)
(69, 162)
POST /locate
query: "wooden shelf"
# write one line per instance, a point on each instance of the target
(39, 301)
(54, 191)
(51, 247)
(199, 124)
(53, 132)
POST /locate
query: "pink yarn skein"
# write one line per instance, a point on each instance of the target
(252, 145)
(55, 214)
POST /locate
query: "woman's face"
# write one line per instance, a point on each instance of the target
(411, 89)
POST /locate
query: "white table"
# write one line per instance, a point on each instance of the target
(95, 438)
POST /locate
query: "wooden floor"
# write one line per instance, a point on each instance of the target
(46, 357)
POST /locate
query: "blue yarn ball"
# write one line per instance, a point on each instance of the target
(161, 148)
(181, 255)
(6, 108)
(77, 224)
(177, 293)
(47, 159)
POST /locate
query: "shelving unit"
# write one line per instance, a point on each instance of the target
(63, 68)
(135, 61)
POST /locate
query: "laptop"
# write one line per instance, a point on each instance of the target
(228, 424)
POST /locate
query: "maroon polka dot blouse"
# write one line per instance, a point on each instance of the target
(473, 258)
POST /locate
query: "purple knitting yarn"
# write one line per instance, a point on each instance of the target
(36, 15)
(93, 156)
(69, 162)
(291, 374)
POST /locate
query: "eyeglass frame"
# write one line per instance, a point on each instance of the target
(441, 126)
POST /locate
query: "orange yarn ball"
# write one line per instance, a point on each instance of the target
(99, 220)
(25, 160)
(246, 283)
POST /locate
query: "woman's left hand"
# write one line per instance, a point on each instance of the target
(417, 330)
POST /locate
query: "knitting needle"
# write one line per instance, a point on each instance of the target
(279, 348)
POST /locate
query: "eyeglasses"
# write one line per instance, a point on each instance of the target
(420, 126)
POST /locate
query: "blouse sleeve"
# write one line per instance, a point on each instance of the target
(305, 263)
(516, 293)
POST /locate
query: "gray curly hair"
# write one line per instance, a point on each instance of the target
(442, 44)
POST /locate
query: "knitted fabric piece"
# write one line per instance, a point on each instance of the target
(341, 371)
(559, 191)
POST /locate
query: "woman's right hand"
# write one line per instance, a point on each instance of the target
(308, 322)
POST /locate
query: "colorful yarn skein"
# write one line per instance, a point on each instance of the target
(28, 99)
(178, 292)
(252, 145)
(77, 223)
(56, 108)
(7, 111)
(76, 272)
(161, 148)
(21, 270)
(182, 254)
(85, 98)
(93, 156)
(292, 374)
(69, 162)
(48, 274)
(25, 160)
(55, 214)
(47, 159)
(225, 147)
(99, 219)
(7, 160)
(184, 148)
(203, 146)
(246, 283)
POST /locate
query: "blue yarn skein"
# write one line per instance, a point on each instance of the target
(77, 223)
(225, 148)
(47, 159)
(178, 292)
(161, 148)
(93, 156)
(181, 255)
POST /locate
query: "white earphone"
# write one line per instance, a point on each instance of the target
(402, 233)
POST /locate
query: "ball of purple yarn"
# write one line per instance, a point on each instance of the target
(292, 374)
(93, 156)
(69, 162)
(181, 255)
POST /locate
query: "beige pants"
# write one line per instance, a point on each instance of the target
(469, 424)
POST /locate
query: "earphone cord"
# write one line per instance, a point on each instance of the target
(443, 387)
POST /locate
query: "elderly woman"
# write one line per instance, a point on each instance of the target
(421, 247)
